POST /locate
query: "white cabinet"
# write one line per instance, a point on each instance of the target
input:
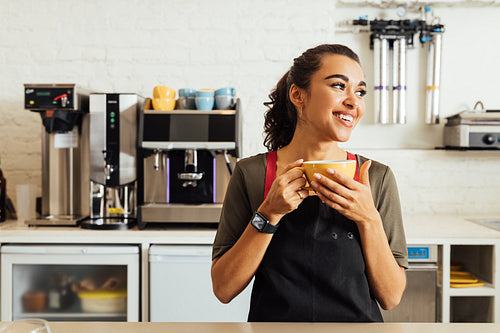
(181, 287)
(474, 304)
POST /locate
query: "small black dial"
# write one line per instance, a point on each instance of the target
(488, 139)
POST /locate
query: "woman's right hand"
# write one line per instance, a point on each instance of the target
(285, 194)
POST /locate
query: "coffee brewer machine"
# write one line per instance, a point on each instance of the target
(65, 169)
(113, 160)
(187, 159)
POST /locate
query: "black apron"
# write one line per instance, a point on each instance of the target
(313, 271)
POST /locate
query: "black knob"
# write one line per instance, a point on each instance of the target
(488, 139)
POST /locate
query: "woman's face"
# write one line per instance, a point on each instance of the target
(334, 103)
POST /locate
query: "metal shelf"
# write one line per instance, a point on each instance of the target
(183, 111)
(62, 316)
(435, 3)
(487, 290)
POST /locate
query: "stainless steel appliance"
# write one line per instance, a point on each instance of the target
(473, 129)
(113, 160)
(63, 109)
(420, 299)
(187, 160)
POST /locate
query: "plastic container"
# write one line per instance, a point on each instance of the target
(103, 301)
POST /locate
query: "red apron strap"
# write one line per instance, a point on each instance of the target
(270, 171)
(353, 157)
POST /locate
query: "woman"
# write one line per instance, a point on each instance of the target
(326, 255)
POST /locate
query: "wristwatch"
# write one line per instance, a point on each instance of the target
(262, 224)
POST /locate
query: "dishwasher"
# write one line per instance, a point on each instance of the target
(420, 298)
(181, 287)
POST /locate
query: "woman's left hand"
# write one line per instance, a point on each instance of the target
(350, 198)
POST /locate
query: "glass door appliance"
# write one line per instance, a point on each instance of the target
(70, 282)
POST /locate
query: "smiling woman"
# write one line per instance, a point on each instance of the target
(324, 252)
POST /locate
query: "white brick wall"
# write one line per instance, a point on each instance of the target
(132, 46)
(437, 181)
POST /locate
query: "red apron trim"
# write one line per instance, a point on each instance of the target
(270, 171)
(353, 157)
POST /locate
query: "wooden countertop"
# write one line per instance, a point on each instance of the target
(100, 327)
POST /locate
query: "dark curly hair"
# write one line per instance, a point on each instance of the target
(281, 116)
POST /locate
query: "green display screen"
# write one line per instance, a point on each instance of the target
(43, 93)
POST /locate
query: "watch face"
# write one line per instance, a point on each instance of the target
(258, 222)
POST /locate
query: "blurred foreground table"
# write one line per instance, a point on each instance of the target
(121, 327)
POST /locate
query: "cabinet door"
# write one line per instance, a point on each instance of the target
(181, 287)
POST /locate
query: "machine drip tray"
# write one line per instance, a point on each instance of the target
(163, 214)
(108, 223)
(55, 221)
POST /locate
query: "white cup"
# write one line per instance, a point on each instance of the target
(26, 202)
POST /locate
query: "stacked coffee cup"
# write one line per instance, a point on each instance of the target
(186, 99)
(204, 99)
(225, 98)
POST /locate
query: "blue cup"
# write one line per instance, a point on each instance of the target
(204, 93)
(186, 103)
(187, 92)
(227, 91)
(204, 103)
(223, 102)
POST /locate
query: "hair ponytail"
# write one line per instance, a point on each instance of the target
(281, 116)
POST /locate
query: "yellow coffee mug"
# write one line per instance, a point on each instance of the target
(163, 104)
(163, 98)
(309, 168)
(163, 92)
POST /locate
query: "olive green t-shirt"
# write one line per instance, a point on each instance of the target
(245, 194)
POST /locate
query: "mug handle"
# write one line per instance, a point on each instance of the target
(309, 188)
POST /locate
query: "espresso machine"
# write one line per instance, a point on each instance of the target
(63, 109)
(187, 161)
(113, 133)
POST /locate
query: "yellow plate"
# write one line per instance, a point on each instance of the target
(466, 285)
(463, 280)
(461, 273)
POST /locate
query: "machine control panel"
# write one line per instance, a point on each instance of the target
(49, 97)
(422, 253)
(112, 155)
(482, 139)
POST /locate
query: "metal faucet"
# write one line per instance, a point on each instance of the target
(190, 174)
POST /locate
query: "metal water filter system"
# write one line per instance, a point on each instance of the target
(399, 81)
(396, 36)
(381, 64)
(381, 79)
(433, 77)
